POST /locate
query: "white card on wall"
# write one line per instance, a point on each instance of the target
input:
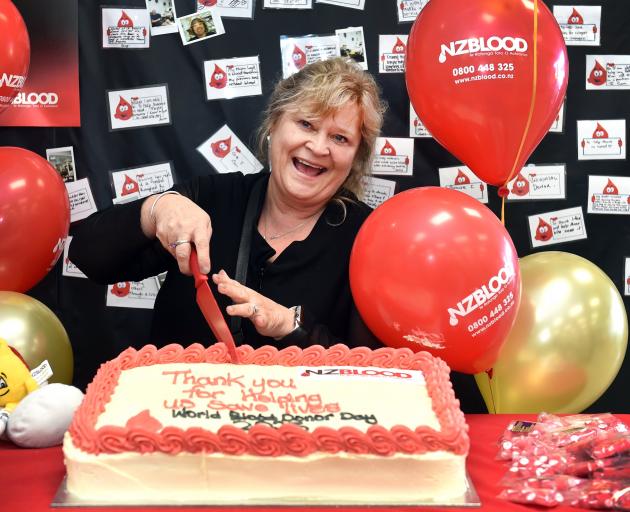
(609, 194)
(408, 10)
(462, 179)
(607, 72)
(69, 269)
(626, 287)
(416, 127)
(352, 4)
(391, 53)
(557, 227)
(377, 190)
(297, 52)
(138, 107)
(558, 123)
(538, 182)
(393, 156)
(129, 294)
(232, 78)
(81, 200)
(287, 4)
(580, 24)
(601, 139)
(229, 8)
(125, 28)
(227, 153)
(136, 182)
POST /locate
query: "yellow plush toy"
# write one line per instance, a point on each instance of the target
(15, 381)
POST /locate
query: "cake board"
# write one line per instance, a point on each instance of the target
(65, 499)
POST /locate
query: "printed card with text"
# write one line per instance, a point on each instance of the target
(162, 14)
(135, 108)
(297, 52)
(408, 10)
(393, 156)
(136, 182)
(416, 128)
(81, 200)
(558, 124)
(129, 294)
(69, 269)
(580, 24)
(607, 72)
(232, 78)
(626, 287)
(461, 178)
(538, 182)
(391, 51)
(557, 227)
(377, 190)
(287, 4)
(352, 44)
(352, 4)
(602, 139)
(609, 194)
(125, 28)
(229, 8)
(226, 153)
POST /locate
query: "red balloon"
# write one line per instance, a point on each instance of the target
(15, 52)
(34, 218)
(482, 84)
(433, 269)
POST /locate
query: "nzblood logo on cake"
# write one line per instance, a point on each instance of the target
(359, 373)
(487, 293)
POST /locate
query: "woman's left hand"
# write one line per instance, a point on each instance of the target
(269, 318)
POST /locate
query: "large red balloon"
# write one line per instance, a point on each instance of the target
(34, 218)
(433, 269)
(15, 52)
(482, 84)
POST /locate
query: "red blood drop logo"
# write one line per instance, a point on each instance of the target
(461, 178)
(610, 188)
(121, 289)
(125, 20)
(399, 47)
(600, 132)
(544, 231)
(520, 186)
(299, 57)
(221, 148)
(575, 18)
(123, 110)
(130, 186)
(598, 75)
(218, 80)
(388, 149)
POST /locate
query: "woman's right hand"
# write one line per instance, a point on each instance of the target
(176, 218)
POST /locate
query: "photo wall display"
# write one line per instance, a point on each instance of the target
(167, 99)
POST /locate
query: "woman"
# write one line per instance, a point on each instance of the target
(198, 29)
(319, 133)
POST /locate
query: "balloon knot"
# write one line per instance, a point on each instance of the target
(503, 191)
(490, 372)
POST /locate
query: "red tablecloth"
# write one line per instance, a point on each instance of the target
(30, 478)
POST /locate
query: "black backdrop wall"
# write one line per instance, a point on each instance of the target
(98, 333)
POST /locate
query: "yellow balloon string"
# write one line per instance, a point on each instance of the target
(531, 107)
(494, 405)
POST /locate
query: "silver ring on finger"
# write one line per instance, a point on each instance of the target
(254, 308)
(174, 244)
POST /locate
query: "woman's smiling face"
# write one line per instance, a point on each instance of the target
(311, 158)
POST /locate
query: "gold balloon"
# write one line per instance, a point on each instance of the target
(568, 341)
(37, 334)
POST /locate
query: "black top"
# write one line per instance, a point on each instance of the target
(110, 247)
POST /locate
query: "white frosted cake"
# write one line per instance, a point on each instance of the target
(184, 425)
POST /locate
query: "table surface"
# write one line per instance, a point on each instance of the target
(31, 477)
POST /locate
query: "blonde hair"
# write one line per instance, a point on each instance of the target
(320, 89)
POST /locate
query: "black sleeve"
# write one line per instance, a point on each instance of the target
(109, 246)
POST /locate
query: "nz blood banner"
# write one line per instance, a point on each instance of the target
(50, 96)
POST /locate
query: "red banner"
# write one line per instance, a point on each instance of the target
(50, 96)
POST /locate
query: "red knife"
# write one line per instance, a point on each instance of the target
(210, 309)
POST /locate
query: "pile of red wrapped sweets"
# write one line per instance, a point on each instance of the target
(581, 461)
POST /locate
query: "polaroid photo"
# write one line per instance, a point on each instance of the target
(200, 26)
(162, 16)
(462, 179)
(137, 182)
(393, 156)
(229, 8)
(125, 28)
(352, 45)
(138, 107)
(609, 195)
(62, 159)
(297, 52)
(232, 78)
(580, 24)
(352, 4)
(607, 72)
(408, 10)
(287, 4)
(377, 190)
(538, 183)
(602, 139)
(82, 203)
(227, 153)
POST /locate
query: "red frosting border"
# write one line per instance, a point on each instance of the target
(263, 440)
